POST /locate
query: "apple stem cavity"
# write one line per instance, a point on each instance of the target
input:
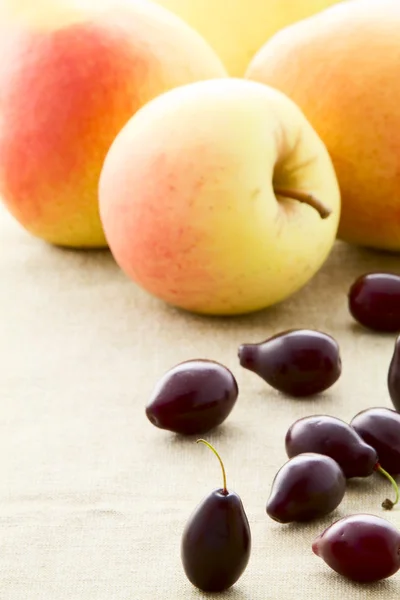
(388, 504)
(224, 490)
(324, 211)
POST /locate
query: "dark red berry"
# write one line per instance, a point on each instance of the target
(374, 301)
(394, 376)
(335, 438)
(216, 541)
(193, 397)
(364, 548)
(380, 428)
(308, 486)
(300, 362)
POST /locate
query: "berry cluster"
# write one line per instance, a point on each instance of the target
(323, 451)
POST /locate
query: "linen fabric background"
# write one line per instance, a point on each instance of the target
(93, 498)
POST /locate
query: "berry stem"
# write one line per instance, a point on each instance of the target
(389, 504)
(225, 491)
(324, 211)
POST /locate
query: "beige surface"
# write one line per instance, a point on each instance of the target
(93, 499)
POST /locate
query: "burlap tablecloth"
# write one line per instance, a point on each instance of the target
(93, 497)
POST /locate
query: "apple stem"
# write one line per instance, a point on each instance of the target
(324, 211)
(388, 504)
(224, 491)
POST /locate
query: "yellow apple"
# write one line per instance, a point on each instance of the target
(219, 197)
(236, 29)
(342, 68)
(72, 73)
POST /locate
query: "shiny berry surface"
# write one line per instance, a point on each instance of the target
(216, 542)
(308, 486)
(380, 428)
(332, 437)
(362, 547)
(300, 362)
(394, 376)
(374, 301)
(193, 397)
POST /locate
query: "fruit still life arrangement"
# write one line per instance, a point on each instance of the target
(218, 150)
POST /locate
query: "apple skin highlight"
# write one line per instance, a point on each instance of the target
(190, 214)
(66, 89)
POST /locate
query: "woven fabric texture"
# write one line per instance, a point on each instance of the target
(93, 498)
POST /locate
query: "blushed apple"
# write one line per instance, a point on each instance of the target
(71, 75)
(218, 197)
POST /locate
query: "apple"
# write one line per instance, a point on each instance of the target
(342, 68)
(236, 29)
(219, 198)
(72, 75)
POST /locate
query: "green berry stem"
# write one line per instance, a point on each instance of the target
(225, 491)
(389, 504)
